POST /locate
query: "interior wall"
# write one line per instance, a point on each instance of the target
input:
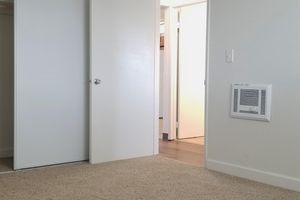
(6, 84)
(51, 88)
(265, 37)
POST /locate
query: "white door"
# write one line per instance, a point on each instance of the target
(51, 82)
(192, 58)
(123, 59)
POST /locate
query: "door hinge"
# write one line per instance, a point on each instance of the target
(177, 124)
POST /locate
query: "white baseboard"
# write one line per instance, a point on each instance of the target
(274, 179)
(5, 153)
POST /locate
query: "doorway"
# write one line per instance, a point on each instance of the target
(183, 64)
(6, 85)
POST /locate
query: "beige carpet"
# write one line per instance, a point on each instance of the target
(152, 178)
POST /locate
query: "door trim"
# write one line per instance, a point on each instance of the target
(15, 155)
(156, 79)
(208, 11)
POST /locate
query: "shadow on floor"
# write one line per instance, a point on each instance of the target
(6, 164)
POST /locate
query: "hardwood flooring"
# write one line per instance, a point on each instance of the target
(191, 153)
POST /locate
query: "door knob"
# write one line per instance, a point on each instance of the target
(97, 81)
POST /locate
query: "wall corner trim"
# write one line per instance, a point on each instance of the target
(269, 178)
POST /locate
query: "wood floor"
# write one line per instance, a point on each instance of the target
(185, 151)
(6, 164)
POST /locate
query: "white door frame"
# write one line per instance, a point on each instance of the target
(173, 97)
(156, 81)
(170, 73)
(207, 84)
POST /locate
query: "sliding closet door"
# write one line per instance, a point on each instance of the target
(51, 70)
(122, 58)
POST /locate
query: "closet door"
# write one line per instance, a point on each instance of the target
(51, 82)
(123, 83)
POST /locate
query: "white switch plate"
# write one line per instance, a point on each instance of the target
(229, 56)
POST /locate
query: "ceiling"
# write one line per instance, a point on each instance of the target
(179, 3)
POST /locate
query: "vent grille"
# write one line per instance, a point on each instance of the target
(251, 101)
(249, 97)
(263, 102)
(235, 100)
(249, 112)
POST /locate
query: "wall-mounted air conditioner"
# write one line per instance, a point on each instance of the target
(251, 101)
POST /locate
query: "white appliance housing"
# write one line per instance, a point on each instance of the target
(251, 101)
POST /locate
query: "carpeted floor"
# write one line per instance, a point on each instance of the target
(151, 178)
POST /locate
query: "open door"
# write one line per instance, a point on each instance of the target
(192, 61)
(123, 35)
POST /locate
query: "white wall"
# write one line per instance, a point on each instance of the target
(51, 82)
(266, 38)
(6, 85)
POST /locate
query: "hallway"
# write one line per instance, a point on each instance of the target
(190, 151)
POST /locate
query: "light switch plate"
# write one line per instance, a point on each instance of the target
(229, 56)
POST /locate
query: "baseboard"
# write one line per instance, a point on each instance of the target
(5, 153)
(274, 179)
